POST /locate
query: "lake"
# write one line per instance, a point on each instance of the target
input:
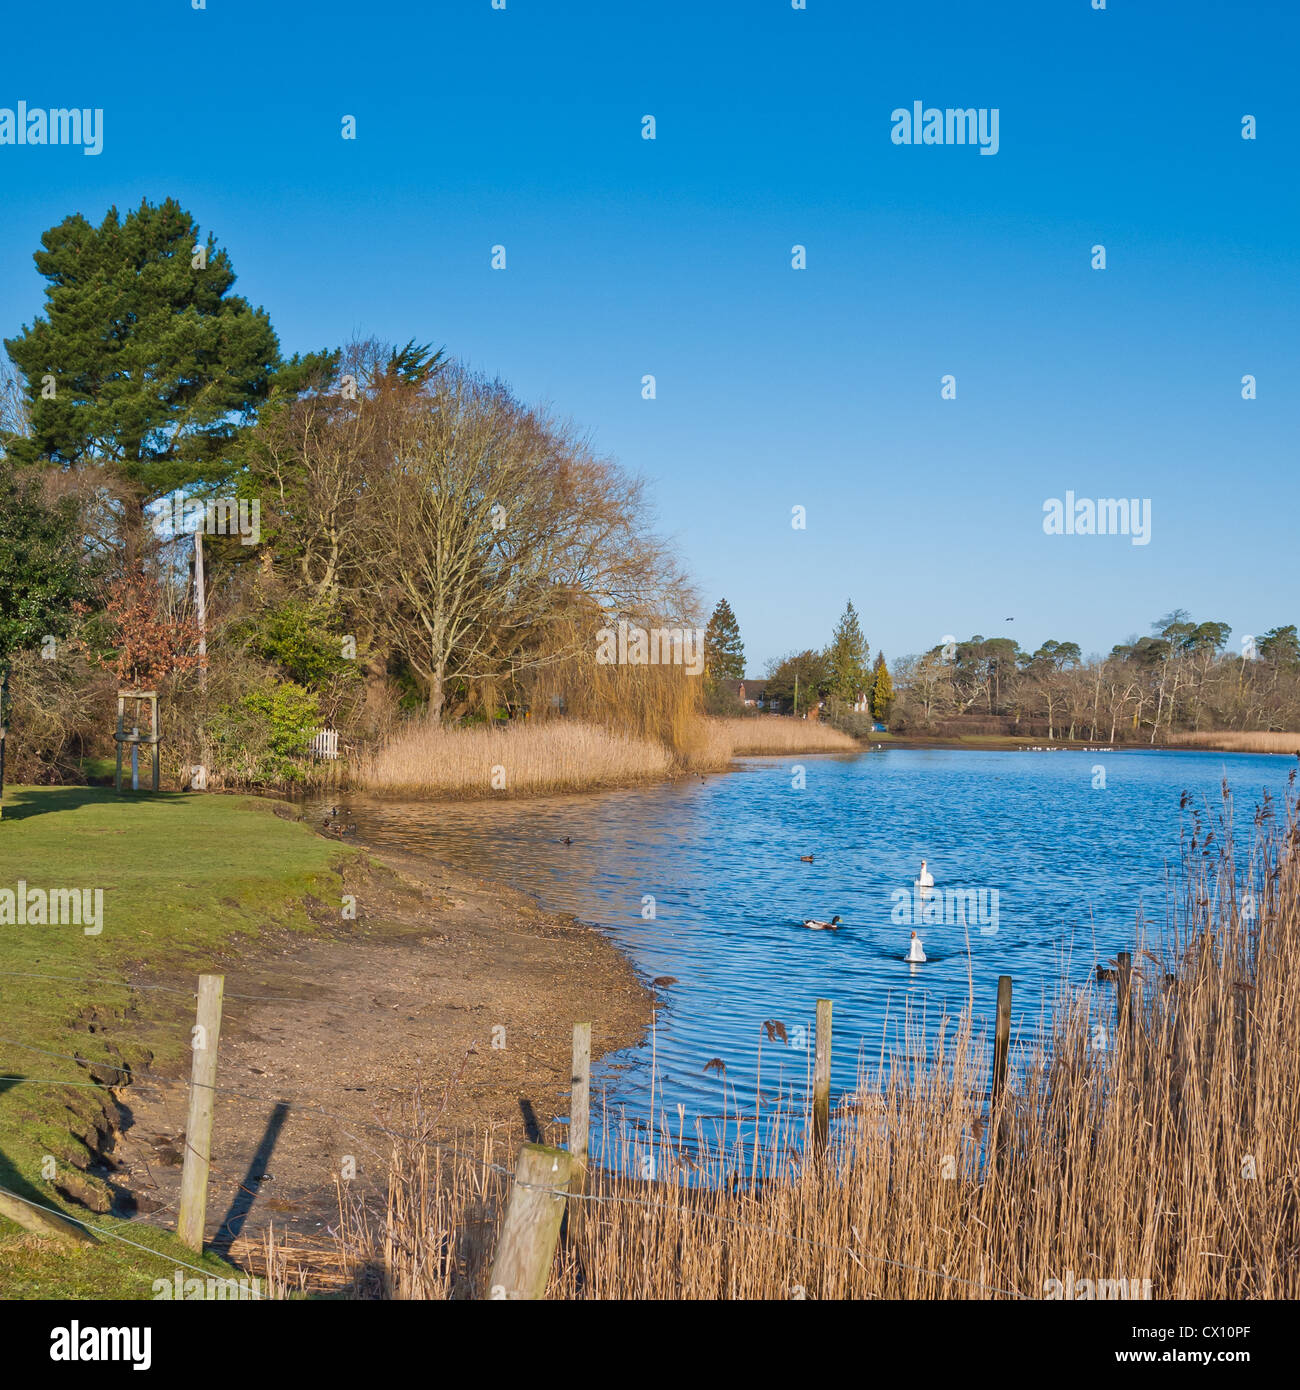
(701, 880)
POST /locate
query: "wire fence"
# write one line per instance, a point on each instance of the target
(445, 1147)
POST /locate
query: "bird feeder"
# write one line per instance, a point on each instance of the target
(136, 733)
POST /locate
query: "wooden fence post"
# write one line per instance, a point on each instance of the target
(1123, 984)
(45, 1223)
(822, 1078)
(580, 1106)
(526, 1246)
(1001, 1038)
(198, 1128)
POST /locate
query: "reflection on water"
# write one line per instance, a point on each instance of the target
(703, 881)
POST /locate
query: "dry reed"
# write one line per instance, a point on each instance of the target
(551, 756)
(1155, 1156)
(559, 755)
(1236, 741)
(778, 734)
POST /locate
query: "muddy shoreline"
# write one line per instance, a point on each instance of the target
(446, 1007)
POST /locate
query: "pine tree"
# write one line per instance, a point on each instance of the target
(847, 657)
(724, 653)
(882, 697)
(144, 365)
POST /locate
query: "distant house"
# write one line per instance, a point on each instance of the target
(862, 703)
(749, 692)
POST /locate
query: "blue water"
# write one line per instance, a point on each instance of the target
(1072, 863)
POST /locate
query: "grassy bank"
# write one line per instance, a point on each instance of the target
(564, 755)
(186, 881)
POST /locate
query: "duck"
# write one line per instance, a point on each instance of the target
(814, 925)
(916, 952)
(805, 859)
(334, 810)
(568, 840)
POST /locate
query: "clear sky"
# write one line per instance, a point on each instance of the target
(775, 387)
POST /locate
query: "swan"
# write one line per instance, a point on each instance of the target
(915, 952)
(925, 879)
(814, 925)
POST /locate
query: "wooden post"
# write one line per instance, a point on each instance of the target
(526, 1245)
(121, 730)
(1001, 1038)
(198, 1128)
(580, 1105)
(822, 1078)
(1123, 983)
(45, 1223)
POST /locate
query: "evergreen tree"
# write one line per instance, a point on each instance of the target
(724, 653)
(145, 364)
(846, 657)
(42, 570)
(882, 694)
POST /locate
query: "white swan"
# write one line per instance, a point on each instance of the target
(915, 952)
(925, 879)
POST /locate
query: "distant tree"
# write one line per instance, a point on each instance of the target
(1281, 646)
(724, 652)
(882, 694)
(846, 658)
(813, 679)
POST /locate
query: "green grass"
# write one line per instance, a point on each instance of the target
(186, 880)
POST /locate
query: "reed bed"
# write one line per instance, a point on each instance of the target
(559, 755)
(773, 734)
(1155, 1156)
(550, 756)
(1236, 741)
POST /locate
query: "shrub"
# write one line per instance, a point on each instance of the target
(261, 737)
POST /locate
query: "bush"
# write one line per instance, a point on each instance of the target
(300, 638)
(263, 735)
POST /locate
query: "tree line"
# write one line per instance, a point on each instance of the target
(426, 543)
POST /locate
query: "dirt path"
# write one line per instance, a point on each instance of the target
(436, 969)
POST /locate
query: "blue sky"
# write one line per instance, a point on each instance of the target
(776, 387)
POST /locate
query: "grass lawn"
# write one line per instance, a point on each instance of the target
(185, 879)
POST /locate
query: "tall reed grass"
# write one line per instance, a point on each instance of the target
(1236, 741)
(778, 734)
(551, 756)
(1156, 1155)
(572, 755)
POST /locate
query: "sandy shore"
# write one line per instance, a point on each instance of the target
(460, 988)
